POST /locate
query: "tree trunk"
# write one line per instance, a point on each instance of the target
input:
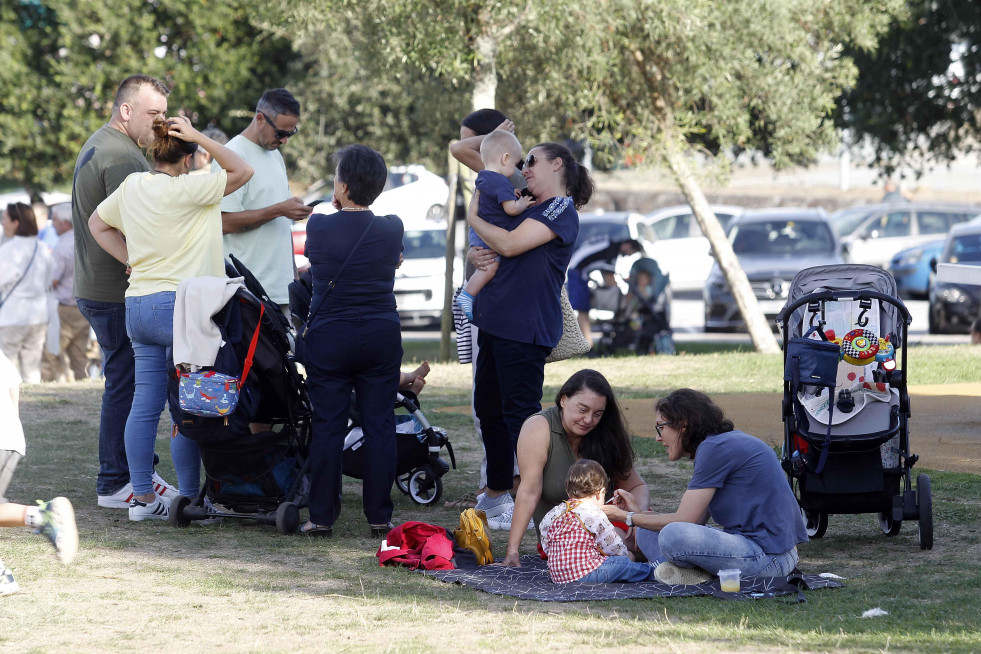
(485, 66)
(759, 329)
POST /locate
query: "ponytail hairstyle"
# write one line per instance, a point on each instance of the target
(23, 215)
(167, 149)
(578, 182)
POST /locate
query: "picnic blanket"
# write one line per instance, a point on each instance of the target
(531, 581)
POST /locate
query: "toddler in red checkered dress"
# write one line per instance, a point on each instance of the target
(578, 538)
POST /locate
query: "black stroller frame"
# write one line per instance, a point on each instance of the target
(846, 485)
(419, 467)
(283, 405)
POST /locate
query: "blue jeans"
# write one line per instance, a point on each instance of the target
(108, 320)
(619, 568)
(150, 324)
(689, 545)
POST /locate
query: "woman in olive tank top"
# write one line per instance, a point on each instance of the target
(585, 423)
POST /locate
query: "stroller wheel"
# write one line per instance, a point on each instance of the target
(402, 481)
(815, 523)
(177, 517)
(924, 501)
(889, 526)
(424, 487)
(287, 518)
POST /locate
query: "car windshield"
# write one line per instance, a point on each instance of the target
(611, 230)
(424, 243)
(776, 237)
(396, 180)
(964, 249)
(846, 221)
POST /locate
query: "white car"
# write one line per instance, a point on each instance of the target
(680, 248)
(419, 281)
(412, 193)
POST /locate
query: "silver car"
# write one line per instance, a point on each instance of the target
(772, 246)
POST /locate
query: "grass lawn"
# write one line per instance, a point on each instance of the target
(243, 587)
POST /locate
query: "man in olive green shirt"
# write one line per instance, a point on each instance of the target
(107, 158)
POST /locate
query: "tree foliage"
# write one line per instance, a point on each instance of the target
(918, 96)
(61, 61)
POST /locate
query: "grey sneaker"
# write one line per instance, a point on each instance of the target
(675, 575)
(7, 584)
(58, 526)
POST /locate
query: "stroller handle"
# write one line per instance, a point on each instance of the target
(831, 296)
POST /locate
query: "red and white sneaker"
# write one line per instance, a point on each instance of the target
(122, 498)
(162, 488)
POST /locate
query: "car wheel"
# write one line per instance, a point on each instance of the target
(932, 326)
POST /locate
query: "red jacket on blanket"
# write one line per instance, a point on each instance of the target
(415, 545)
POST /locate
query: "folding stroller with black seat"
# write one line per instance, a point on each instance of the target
(257, 476)
(846, 405)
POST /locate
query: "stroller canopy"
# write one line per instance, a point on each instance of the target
(844, 277)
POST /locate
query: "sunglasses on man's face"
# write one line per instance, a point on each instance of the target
(280, 133)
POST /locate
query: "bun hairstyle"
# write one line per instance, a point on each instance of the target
(166, 148)
(483, 121)
(578, 182)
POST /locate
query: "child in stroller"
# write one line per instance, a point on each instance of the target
(846, 406)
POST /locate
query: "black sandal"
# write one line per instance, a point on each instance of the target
(380, 531)
(319, 531)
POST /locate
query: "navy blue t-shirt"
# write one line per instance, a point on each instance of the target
(365, 286)
(494, 189)
(521, 303)
(752, 497)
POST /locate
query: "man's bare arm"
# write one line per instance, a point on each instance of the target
(243, 221)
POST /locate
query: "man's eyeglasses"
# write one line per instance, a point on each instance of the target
(531, 161)
(280, 133)
(658, 425)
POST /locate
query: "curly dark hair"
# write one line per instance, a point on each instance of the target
(695, 415)
(609, 441)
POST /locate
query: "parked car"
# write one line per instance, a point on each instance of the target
(772, 245)
(411, 192)
(616, 226)
(912, 268)
(953, 307)
(873, 234)
(680, 248)
(419, 281)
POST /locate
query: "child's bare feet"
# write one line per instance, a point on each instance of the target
(422, 370)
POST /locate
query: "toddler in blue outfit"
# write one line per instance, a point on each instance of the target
(500, 152)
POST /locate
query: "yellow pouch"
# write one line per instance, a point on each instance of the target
(472, 536)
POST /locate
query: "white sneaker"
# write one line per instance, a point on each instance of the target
(7, 584)
(158, 509)
(162, 488)
(122, 498)
(499, 517)
(675, 575)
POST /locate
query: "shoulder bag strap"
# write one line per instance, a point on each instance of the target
(251, 353)
(21, 278)
(333, 282)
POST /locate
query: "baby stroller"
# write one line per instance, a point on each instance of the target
(650, 291)
(846, 406)
(256, 476)
(419, 468)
